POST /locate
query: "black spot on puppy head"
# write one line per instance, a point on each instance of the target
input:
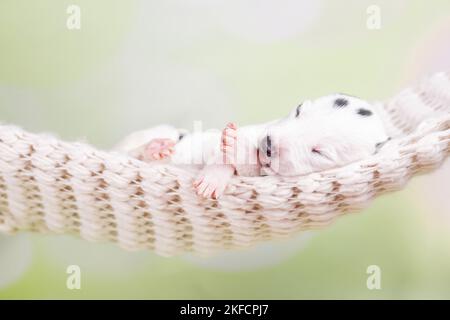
(340, 103)
(364, 112)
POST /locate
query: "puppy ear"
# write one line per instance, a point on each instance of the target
(298, 110)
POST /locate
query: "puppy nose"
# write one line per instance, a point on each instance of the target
(266, 146)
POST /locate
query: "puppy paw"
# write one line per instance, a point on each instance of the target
(213, 180)
(229, 144)
(158, 149)
(209, 186)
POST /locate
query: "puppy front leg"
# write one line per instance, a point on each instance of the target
(239, 149)
(213, 180)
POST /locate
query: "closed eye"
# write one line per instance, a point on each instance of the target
(319, 152)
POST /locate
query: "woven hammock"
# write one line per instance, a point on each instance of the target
(51, 186)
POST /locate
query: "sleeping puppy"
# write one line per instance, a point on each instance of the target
(325, 133)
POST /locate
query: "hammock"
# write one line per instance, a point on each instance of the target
(51, 186)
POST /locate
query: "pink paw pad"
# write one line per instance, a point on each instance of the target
(159, 149)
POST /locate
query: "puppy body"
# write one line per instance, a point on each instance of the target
(317, 135)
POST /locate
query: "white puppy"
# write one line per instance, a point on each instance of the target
(328, 132)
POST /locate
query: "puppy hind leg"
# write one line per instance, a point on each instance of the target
(156, 149)
(152, 144)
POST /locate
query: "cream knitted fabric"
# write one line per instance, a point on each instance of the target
(47, 185)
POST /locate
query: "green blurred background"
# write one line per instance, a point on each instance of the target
(134, 64)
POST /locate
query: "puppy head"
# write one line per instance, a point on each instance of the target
(328, 132)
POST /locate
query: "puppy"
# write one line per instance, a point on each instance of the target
(317, 135)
